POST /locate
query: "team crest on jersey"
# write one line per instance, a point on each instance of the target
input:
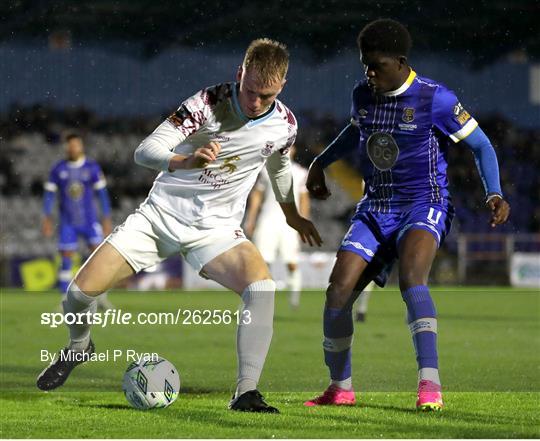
(75, 190)
(239, 234)
(267, 150)
(408, 114)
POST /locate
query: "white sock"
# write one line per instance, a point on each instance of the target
(430, 374)
(294, 286)
(78, 302)
(343, 384)
(253, 338)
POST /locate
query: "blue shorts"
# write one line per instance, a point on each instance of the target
(376, 236)
(67, 241)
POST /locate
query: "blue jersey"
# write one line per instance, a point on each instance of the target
(75, 183)
(418, 119)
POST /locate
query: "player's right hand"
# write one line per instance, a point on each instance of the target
(316, 182)
(306, 229)
(500, 210)
(47, 227)
(203, 155)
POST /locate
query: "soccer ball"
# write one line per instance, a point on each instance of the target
(150, 384)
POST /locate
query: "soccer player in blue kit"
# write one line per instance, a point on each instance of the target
(404, 123)
(76, 179)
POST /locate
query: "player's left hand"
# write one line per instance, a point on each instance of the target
(500, 210)
(307, 231)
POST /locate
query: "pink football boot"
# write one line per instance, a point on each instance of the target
(429, 396)
(333, 396)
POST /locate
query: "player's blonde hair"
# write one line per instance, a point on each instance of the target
(269, 58)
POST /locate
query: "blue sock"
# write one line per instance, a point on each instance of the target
(338, 334)
(423, 325)
(64, 275)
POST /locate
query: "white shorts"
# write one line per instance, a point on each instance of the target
(150, 235)
(273, 240)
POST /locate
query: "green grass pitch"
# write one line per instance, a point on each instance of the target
(489, 348)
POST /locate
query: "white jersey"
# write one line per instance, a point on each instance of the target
(216, 195)
(270, 212)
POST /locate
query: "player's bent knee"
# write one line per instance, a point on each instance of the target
(410, 279)
(338, 293)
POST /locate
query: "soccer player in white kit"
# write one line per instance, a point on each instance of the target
(209, 153)
(271, 234)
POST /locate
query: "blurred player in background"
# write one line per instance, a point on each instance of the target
(363, 302)
(404, 123)
(76, 179)
(271, 234)
(209, 153)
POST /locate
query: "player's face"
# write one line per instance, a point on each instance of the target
(384, 73)
(74, 149)
(256, 98)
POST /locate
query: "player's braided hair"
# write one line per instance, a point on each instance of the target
(386, 36)
(269, 57)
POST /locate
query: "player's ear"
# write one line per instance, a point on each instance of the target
(239, 73)
(402, 60)
(281, 86)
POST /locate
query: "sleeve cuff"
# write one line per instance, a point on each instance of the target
(102, 183)
(166, 160)
(465, 131)
(50, 186)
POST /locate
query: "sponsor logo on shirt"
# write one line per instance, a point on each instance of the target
(216, 180)
(408, 114)
(219, 138)
(407, 127)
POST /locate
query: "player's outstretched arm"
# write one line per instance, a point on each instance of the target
(488, 168)
(278, 166)
(339, 147)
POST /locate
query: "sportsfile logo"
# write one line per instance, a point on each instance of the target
(119, 317)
